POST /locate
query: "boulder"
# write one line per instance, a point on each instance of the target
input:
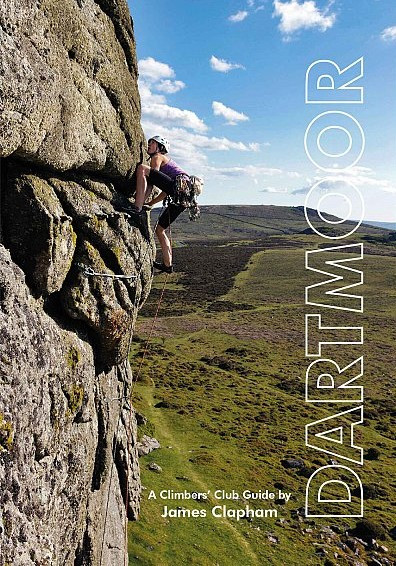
(147, 445)
(293, 463)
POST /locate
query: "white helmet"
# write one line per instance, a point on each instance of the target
(163, 141)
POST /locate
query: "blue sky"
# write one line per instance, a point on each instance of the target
(224, 82)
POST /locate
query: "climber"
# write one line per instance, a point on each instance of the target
(164, 173)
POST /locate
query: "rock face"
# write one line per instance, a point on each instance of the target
(74, 270)
(69, 96)
(57, 228)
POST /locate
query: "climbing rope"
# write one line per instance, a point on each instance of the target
(89, 272)
(152, 328)
(129, 428)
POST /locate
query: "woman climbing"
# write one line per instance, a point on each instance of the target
(165, 174)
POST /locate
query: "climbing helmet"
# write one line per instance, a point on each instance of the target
(162, 142)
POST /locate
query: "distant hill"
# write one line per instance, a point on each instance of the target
(386, 225)
(240, 222)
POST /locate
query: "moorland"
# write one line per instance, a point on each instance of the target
(220, 379)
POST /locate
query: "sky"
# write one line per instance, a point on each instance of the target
(224, 81)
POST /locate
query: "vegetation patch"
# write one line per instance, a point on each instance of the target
(75, 398)
(6, 434)
(73, 358)
(223, 388)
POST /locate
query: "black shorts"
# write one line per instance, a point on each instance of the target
(170, 214)
(166, 184)
(162, 181)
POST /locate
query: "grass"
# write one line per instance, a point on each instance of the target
(230, 384)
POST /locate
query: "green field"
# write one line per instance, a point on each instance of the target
(222, 388)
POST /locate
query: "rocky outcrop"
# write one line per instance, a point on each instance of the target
(69, 97)
(75, 268)
(66, 426)
(58, 230)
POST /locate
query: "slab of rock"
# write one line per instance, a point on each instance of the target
(61, 434)
(57, 228)
(38, 231)
(147, 444)
(70, 139)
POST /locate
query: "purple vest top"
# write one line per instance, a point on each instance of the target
(172, 169)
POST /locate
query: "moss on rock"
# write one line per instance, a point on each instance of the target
(75, 398)
(6, 434)
(73, 358)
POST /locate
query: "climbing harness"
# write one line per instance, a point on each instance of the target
(89, 272)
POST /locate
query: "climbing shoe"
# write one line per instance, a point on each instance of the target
(131, 210)
(135, 210)
(163, 267)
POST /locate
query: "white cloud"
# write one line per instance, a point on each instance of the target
(256, 146)
(295, 16)
(153, 70)
(186, 131)
(173, 116)
(361, 177)
(170, 87)
(147, 96)
(157, 76)
(223, 66)
(389, 34)
(232, 116)
(273, 190)
(253, 174)
(252, 5)
(254, 171)
(203, 142)
(366, 177)
(239, 16)
(190, 148)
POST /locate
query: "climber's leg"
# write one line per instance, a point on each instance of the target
(165, 245)
(143, 171)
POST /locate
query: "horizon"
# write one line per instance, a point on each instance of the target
(365, 221)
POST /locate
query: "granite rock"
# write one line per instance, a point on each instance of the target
(75, 268)
(68, 85)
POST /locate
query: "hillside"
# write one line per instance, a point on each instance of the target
(220, 384)
(238, 222)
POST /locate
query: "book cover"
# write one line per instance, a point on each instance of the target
(216, 391)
